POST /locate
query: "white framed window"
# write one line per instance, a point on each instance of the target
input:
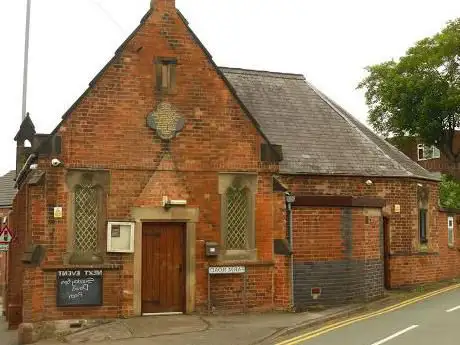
(427, 152)
(120, 237)
(450, 231)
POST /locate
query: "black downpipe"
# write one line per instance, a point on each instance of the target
(289, 200)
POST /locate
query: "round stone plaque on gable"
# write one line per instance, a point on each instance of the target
(165, 121)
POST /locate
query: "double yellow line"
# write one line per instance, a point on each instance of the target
(347, 322)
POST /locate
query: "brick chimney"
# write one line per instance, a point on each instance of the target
(163, 4)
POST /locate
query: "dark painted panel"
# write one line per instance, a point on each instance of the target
(341, 281)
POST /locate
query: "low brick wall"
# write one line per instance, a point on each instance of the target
(251, 291)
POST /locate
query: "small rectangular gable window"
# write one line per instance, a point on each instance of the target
(165, 74)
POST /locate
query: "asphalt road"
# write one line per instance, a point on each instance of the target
(435, 320)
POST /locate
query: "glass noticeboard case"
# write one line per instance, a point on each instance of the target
(120, 237)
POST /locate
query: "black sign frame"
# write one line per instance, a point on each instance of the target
(82, 274)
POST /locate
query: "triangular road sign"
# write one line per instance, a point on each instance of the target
(5, 235)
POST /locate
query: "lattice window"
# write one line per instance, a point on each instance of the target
(237, 218)
(86, 227)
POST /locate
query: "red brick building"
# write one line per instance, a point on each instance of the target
(7, 193)
(169, 168)
(426, 156)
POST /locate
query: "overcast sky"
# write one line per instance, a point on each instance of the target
(329, 41)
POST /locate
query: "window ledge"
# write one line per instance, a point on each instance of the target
(423, 248)
(85, 259)
(451, 246)
(238, 255)
(425, 252)
(76, 267)
(240, 263)
(414, 253)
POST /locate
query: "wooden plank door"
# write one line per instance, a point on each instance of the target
(386, 252)
(163, 267)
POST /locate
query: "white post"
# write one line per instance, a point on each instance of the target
(26, 62)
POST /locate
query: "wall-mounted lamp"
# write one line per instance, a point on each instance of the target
(170, 203)
(369, 182)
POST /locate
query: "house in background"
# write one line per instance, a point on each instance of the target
(7, 193)
(173, 185)
(426, 156)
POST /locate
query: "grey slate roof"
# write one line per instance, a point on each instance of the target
(317, 135)
(7, 191)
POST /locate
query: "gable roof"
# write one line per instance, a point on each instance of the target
(120, 50)
(7, 191)
(318, 136)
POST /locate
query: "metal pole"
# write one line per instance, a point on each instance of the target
(292, 255)
(26, 61)
(209, 293)
(289, 200)
(245, 283)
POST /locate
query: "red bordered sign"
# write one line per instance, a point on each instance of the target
(6, 235)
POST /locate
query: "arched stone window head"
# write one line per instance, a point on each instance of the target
(87, 216)
(238, 215)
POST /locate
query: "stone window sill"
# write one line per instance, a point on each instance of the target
(85, 259)
(76, 267)
(451, 246)
(426, 252)
(238, 255)
(414, 253)
(423, 247)
(241, 263)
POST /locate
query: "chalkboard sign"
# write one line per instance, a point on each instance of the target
(79, 288)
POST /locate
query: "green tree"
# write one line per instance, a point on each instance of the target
(449, 192)
(419, 95)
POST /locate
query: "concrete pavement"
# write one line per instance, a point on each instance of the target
(392, 324)
(6, 337)
(199, 330)
(430, 321)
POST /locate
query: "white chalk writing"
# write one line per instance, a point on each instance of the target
(93, 273)
(68, 273)
(84, 287)
(77, 295)
(79, 273)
